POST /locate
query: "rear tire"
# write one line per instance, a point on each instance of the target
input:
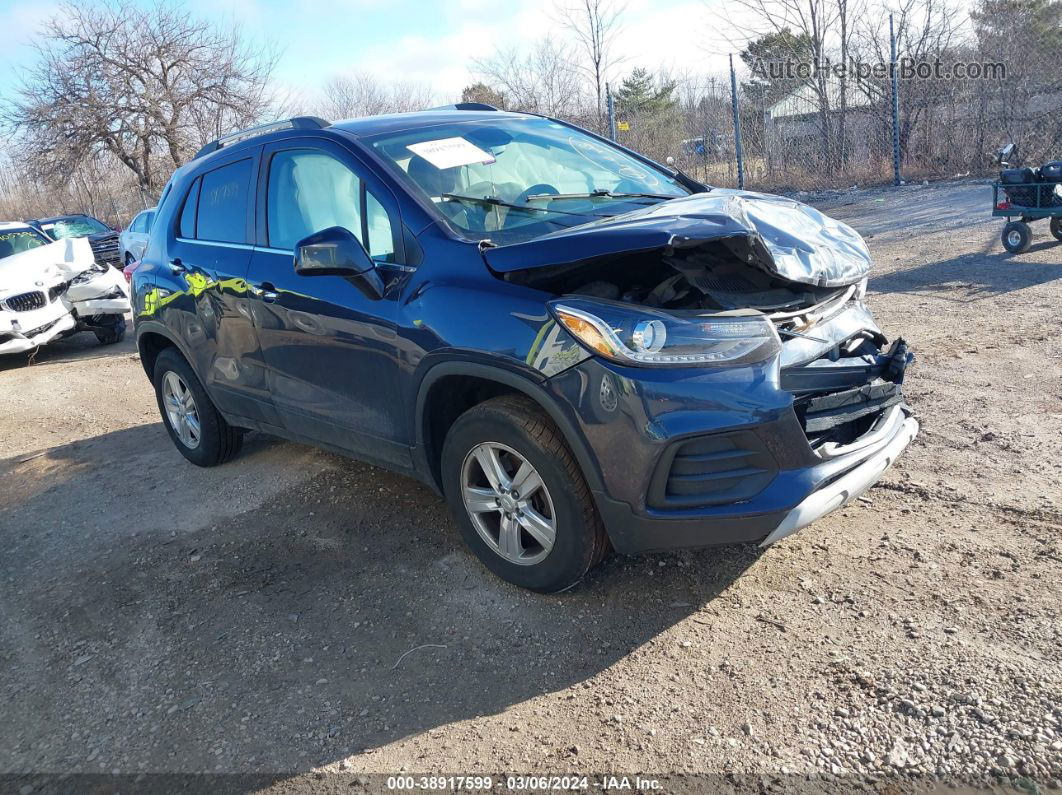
(208, 440)
(524, 440)
(1016, 237)
(1056, 227)
(111, 330)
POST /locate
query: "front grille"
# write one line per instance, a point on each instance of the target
(712, 470)
(26, 302)
(105, 250)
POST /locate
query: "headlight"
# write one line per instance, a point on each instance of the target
(637, 335)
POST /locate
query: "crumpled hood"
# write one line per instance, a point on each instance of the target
(63, 258)
(781, 236)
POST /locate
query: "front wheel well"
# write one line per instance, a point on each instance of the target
(447, 399)
(150, 345)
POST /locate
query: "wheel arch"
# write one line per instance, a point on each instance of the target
(151, 340)
(450, 388)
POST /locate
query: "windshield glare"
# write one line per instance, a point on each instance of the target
(520, 161)
(15, 241)
(80, 226)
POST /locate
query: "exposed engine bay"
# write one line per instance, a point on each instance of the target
(741, 252)
(56, 290)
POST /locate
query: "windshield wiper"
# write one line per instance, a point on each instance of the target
(494, 201)
(601, 193)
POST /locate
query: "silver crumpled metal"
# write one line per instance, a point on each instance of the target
(805, 245)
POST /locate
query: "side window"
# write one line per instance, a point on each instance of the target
(191, 204)
(222, 212)
(309, 191)
(149, 218)
(136, 224)
(381, 243)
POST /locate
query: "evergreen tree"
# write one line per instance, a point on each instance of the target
(639, 93)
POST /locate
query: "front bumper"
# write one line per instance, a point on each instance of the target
(633, 422)
(838, 493)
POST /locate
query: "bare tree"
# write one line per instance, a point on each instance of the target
(361, 94)
(926, 30)
(146, 86)
(540, 80)
(823, 32)
(595, 25)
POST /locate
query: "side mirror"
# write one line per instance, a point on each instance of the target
(336, 252)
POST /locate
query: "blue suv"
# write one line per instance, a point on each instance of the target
(580, 348)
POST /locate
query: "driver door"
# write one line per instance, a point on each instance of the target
(331, 352)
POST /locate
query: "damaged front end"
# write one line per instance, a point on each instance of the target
(731, 279)
(56, 290)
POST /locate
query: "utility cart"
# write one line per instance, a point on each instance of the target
(1017, 234)
(1026, 194)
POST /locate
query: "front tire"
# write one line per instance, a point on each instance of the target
(519, 496)
(1056, 227)
(1016, 237)
(198, 431)
(111, 330)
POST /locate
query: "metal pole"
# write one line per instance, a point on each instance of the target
(610, 105)
(737, 126)
(895, 107)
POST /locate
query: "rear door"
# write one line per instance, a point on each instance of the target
(331, 352)
(209, 252)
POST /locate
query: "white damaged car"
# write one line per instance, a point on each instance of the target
(50, 290)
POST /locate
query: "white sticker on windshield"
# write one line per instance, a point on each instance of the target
(451, 152)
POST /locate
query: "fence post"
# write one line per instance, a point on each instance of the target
(610, 106)
(895, 106)
(737, 126)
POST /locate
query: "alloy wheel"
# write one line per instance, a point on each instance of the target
(508, 503)
(181, 410)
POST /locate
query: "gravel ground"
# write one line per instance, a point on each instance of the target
(295, 613)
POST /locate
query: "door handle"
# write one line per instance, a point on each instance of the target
(177, 267)
(266, 291)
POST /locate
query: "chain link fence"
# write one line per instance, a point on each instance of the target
(820, 138)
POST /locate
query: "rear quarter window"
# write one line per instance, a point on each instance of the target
(223, 200)
(186, 227)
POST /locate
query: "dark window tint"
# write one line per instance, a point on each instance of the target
(222, 214)
(188, 213)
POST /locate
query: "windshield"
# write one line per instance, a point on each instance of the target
(556, 176)
(76, 226)
(19, 239)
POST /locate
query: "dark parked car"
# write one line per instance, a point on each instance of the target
(102, 238)
(580, 348)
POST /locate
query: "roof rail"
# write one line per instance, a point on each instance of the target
(466, 106)
(294, 123)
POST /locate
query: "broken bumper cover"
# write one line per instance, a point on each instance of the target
(684, 460)
(874, 457)
(824, 487)
(14, 340)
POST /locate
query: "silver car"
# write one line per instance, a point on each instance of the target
(134, 238)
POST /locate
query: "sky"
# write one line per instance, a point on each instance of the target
(426, 42)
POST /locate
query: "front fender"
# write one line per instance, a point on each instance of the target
(527, 382)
